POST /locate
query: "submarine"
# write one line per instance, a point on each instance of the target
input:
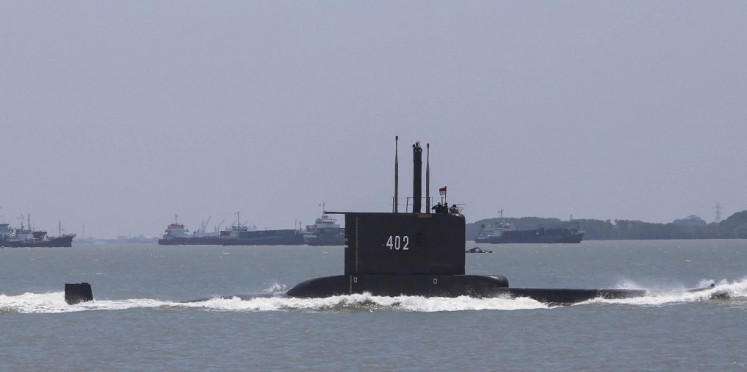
(421, 253)
(416, 253)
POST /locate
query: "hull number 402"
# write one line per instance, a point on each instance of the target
(397, 243)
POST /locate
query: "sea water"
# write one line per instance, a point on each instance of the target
(140, 319)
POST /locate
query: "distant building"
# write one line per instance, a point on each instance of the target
(691, 220)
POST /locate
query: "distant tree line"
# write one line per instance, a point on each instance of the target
(734, 227)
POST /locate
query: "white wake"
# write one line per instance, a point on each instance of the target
(274, 300)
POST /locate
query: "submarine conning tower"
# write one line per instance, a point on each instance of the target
(416, 253)
(405, 243)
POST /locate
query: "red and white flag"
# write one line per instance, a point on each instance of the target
(442, 191)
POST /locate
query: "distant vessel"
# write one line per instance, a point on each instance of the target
(177, 234)
(242, 235)
(478, 250)
(326, 231)
(239, 234)
(503, 232)
(27, 238)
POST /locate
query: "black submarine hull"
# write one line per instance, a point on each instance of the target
(567, 296)
(400, 284)
(477, 286)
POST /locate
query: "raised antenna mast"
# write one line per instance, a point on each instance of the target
(396, 174)
(417, 177)
(427, 178)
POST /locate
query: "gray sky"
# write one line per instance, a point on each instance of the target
(117, 115)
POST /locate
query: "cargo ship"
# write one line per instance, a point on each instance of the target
(239, 234)
(177, 234)
(326, 231)
(503, 232)
(27, 238)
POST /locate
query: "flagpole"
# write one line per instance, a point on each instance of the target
(442, 192)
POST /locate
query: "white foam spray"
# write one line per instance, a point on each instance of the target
(710, 290)
(273, 300)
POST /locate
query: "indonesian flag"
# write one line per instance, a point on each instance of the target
(442, 191)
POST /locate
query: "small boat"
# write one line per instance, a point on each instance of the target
(478, 250)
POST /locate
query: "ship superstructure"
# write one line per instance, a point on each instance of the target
(325, 231)
(178, 234)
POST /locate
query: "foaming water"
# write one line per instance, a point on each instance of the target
(275, 300)
(276, 288)
(54, 303)
(723, 290)
(368, 302)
